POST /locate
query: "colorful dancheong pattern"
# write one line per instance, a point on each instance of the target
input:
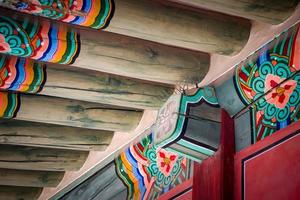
(271, 83)
(41, 41)
(89, 13)
(148, 171)
(9, 104)
(174, 136)
(21, 75)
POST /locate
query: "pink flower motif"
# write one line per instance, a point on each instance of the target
(4, 46)
(165, 161)
(281, 93)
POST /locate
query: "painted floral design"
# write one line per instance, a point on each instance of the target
(164, 166)
(269, 81)
(165, 161)
(276, 105)
(282, 92)
(148, 171)
(4, 46)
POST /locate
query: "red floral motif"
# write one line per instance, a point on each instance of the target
(166, 161)
(281, 93)
(4, 46)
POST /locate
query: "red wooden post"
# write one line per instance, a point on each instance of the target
(180, 192)
(213, 178)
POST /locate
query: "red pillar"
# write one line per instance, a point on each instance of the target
(214, 177)
(180, 192)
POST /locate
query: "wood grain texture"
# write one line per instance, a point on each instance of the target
(54, 136)
(103, 185)
(19, 193)
(269, 11)
(75, 113)
(37, 158)
(133, 57)
(93, 86)
(178, 27)
(141, 59)
(28, 178)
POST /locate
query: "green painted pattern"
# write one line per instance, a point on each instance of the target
(41, 41)
(148, 171)
(9, 104)
(207, 95)
(90, 13)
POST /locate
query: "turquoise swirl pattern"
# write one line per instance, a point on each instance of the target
(271, 82)
(147, 171)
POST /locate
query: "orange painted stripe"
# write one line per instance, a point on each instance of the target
(131, 176)
(62, 45)
(29, 76)
(94, 12)
(3, 103)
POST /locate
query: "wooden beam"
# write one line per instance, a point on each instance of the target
(28, 178)
(19, 193)
(169, 25)
(74, 113)
(141, 59)
(29, 76)
(44, 159)
(45, 135)
(269, 11)
(93, 86)
(103, 185)
(126, 56)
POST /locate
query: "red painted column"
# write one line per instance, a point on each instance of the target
(269, 169)
(180, 192)
(213, 178)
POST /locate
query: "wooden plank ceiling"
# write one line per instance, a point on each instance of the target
(110, 62)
